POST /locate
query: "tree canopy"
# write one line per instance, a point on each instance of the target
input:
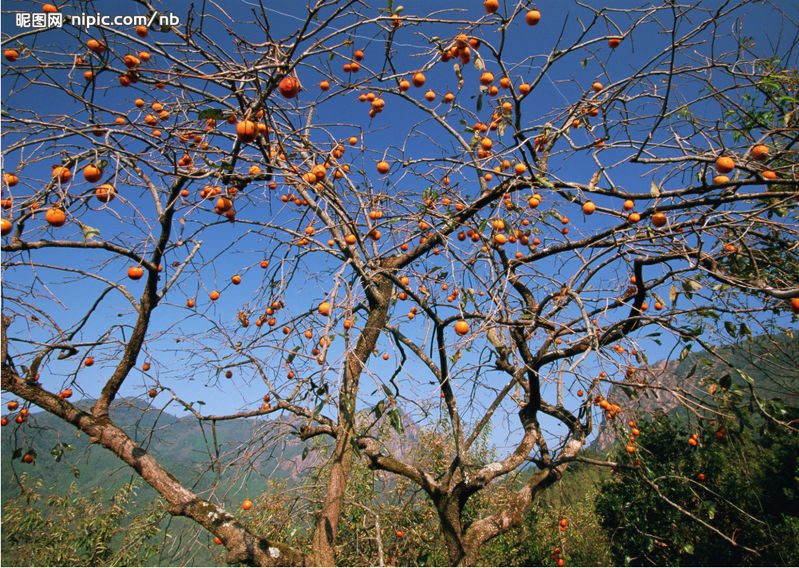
(336, 216)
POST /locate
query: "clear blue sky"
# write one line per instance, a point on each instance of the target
(239, 245)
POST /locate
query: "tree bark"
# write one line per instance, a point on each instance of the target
(322, 551)
(243, 547)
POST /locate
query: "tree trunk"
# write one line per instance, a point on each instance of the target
(322, 552)
(449, 515)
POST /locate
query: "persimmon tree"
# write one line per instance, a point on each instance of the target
(486, 214)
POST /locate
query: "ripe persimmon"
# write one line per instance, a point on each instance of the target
(596, 86)
(135, 272)
(614, 42)
(532, 17)
(430, 95)
(289, 87)
(461, 327)
(324, 308)
(55, 216)
(324, 85)
(105, 193)
(491, 6)
(418, 79)
(10, 180)
(589, 207)
(141, 31)
(5, 227)
(659, 219)
(246, 505)
(11, 55)
(383, 167)
(214, 295)
(795, 305)
(725, 164)
(759, 152)
(246, 130)
(92, 173)
(62, 173)
(95, 45)
(49, 8)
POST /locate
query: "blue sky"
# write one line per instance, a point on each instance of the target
(237, 249)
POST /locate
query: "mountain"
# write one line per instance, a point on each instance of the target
(249, 451)
(767, 365)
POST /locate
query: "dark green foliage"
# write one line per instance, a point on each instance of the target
(750, 493)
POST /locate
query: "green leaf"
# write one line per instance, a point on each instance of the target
(214, 113)
(730, 327)
(396, 421)
(305, 452)
(686, 288)
(688, 548)
(685, 351)
(725, 381)
(293, 354)
(480, 102)
(743, 329)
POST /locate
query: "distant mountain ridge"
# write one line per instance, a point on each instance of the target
(771, 362)
(264, 447)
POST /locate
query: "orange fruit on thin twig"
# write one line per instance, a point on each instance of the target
(760, 152)
(725, 164)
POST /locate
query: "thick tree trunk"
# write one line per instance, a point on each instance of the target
(322, 552)
(322, 545)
